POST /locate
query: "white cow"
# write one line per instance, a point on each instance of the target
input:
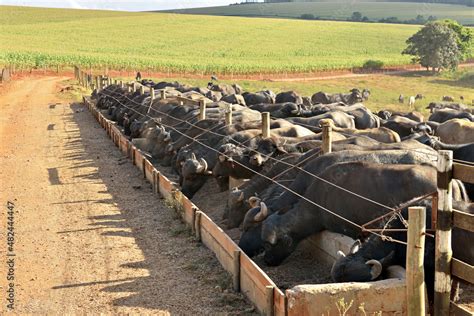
(411, 101)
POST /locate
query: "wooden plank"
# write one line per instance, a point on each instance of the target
(165, 187)
(279, 302)
(221, 254)
(462, 270)
(463, 172)
(139, 160)
(124, 145)
(115, 134)
(112, 133)
(180, 98)
(156, 179)
(221, 237)
(189, 210)
(253, 283)
(251, 268)
(463, 220)
(149, 171)
(108, 128)
(457, 310)
(415, 276)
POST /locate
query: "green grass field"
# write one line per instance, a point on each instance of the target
(192, 43)
(343, 9)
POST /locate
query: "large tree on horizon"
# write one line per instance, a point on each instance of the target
(436, 45)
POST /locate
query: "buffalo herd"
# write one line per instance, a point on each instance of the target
(379, 161)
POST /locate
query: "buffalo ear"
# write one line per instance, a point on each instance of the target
(388, 258)
(355, 247)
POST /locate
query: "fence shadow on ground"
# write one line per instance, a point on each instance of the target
(172, 258)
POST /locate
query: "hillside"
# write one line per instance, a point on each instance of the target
(191, 43)
(342, 10)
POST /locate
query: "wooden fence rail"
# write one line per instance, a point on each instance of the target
(247, 276)
(445, 265)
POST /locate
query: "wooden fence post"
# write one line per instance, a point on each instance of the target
(121, 84)
(152, 98)
(163, 94)
(327, 137)
(97, 83)
(444, 225)
(415, 276)
(197, 225)
(152, 94)
(236, 270)
(269, 295)
(142, 90)
(228, 116)
(265, 124)
(202, 110)
(87, 80)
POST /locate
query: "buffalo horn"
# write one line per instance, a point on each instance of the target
(203, 163)
(340, 254)
(262, 214)
(376, 268)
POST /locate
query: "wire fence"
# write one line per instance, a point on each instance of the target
(362, 228)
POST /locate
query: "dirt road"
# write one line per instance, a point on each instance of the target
(89, 235)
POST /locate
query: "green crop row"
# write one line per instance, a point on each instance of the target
(32, 37)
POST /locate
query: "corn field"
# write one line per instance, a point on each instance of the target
(36, 38)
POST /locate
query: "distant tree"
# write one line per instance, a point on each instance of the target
(420, 19)
(307, 16)
(356, 16)
(365, 19)
(435, 46)
(464, 36)
(391, 19)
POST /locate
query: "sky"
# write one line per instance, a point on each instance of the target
(123, 5)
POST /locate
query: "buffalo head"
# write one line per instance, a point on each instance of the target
(194, 174)
(424, 128)
(250, 240)
(290, 109)
(278, 242)
(360, 266)
(266, 148)
(384, 114)
(365, 94)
